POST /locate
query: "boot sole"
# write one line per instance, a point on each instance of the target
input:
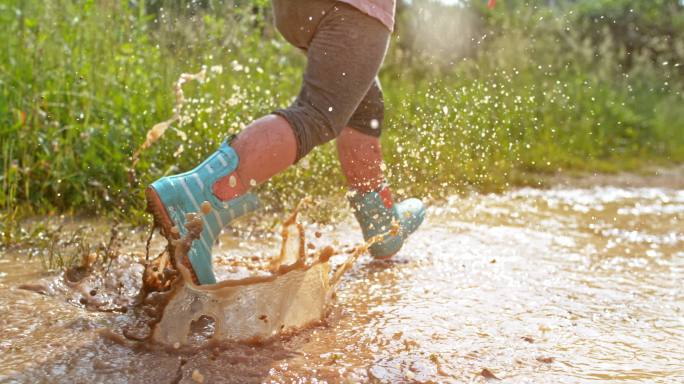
(385, 257)
(162, 219)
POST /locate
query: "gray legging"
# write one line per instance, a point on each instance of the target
(344, 49)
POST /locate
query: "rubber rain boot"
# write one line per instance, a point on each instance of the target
(170, 198)
(375, 211)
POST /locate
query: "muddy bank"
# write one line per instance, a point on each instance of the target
(562, 285)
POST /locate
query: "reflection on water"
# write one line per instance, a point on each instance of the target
(563, 285)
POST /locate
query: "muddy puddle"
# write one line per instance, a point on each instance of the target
(563, 285)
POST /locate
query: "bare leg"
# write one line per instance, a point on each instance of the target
(265, 148)
(361, 160)
(373, 206)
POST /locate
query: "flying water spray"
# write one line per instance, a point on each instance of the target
(297, 293)
(158, 130)
(297, 290)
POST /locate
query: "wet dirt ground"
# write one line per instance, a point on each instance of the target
(562, 285)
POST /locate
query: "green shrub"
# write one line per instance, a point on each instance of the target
(528, 88)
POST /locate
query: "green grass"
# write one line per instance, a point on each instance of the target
(81, 82)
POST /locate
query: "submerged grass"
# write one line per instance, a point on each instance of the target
(81, 82)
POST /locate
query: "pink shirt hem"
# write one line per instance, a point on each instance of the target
(383, 10)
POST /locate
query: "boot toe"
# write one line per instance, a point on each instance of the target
(411, 214)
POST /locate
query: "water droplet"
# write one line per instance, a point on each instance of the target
(374, 124)
(205, 207)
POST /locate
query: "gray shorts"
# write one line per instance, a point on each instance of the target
(344, 49)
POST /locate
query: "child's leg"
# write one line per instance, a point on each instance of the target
(358, 148)
(360, 156)
(344, 55)
(265, 148)
(361, 160)
(342, 63)
(343, 58)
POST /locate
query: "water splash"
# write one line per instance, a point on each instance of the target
(297, 293)
(158, 130)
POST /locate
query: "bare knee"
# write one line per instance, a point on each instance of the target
(312, 125)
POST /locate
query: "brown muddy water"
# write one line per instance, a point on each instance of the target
(564, 285)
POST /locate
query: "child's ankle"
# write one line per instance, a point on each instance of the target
(383, 190)
(368, 186)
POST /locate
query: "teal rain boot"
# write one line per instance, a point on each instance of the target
(170, 198)
(375, 212)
